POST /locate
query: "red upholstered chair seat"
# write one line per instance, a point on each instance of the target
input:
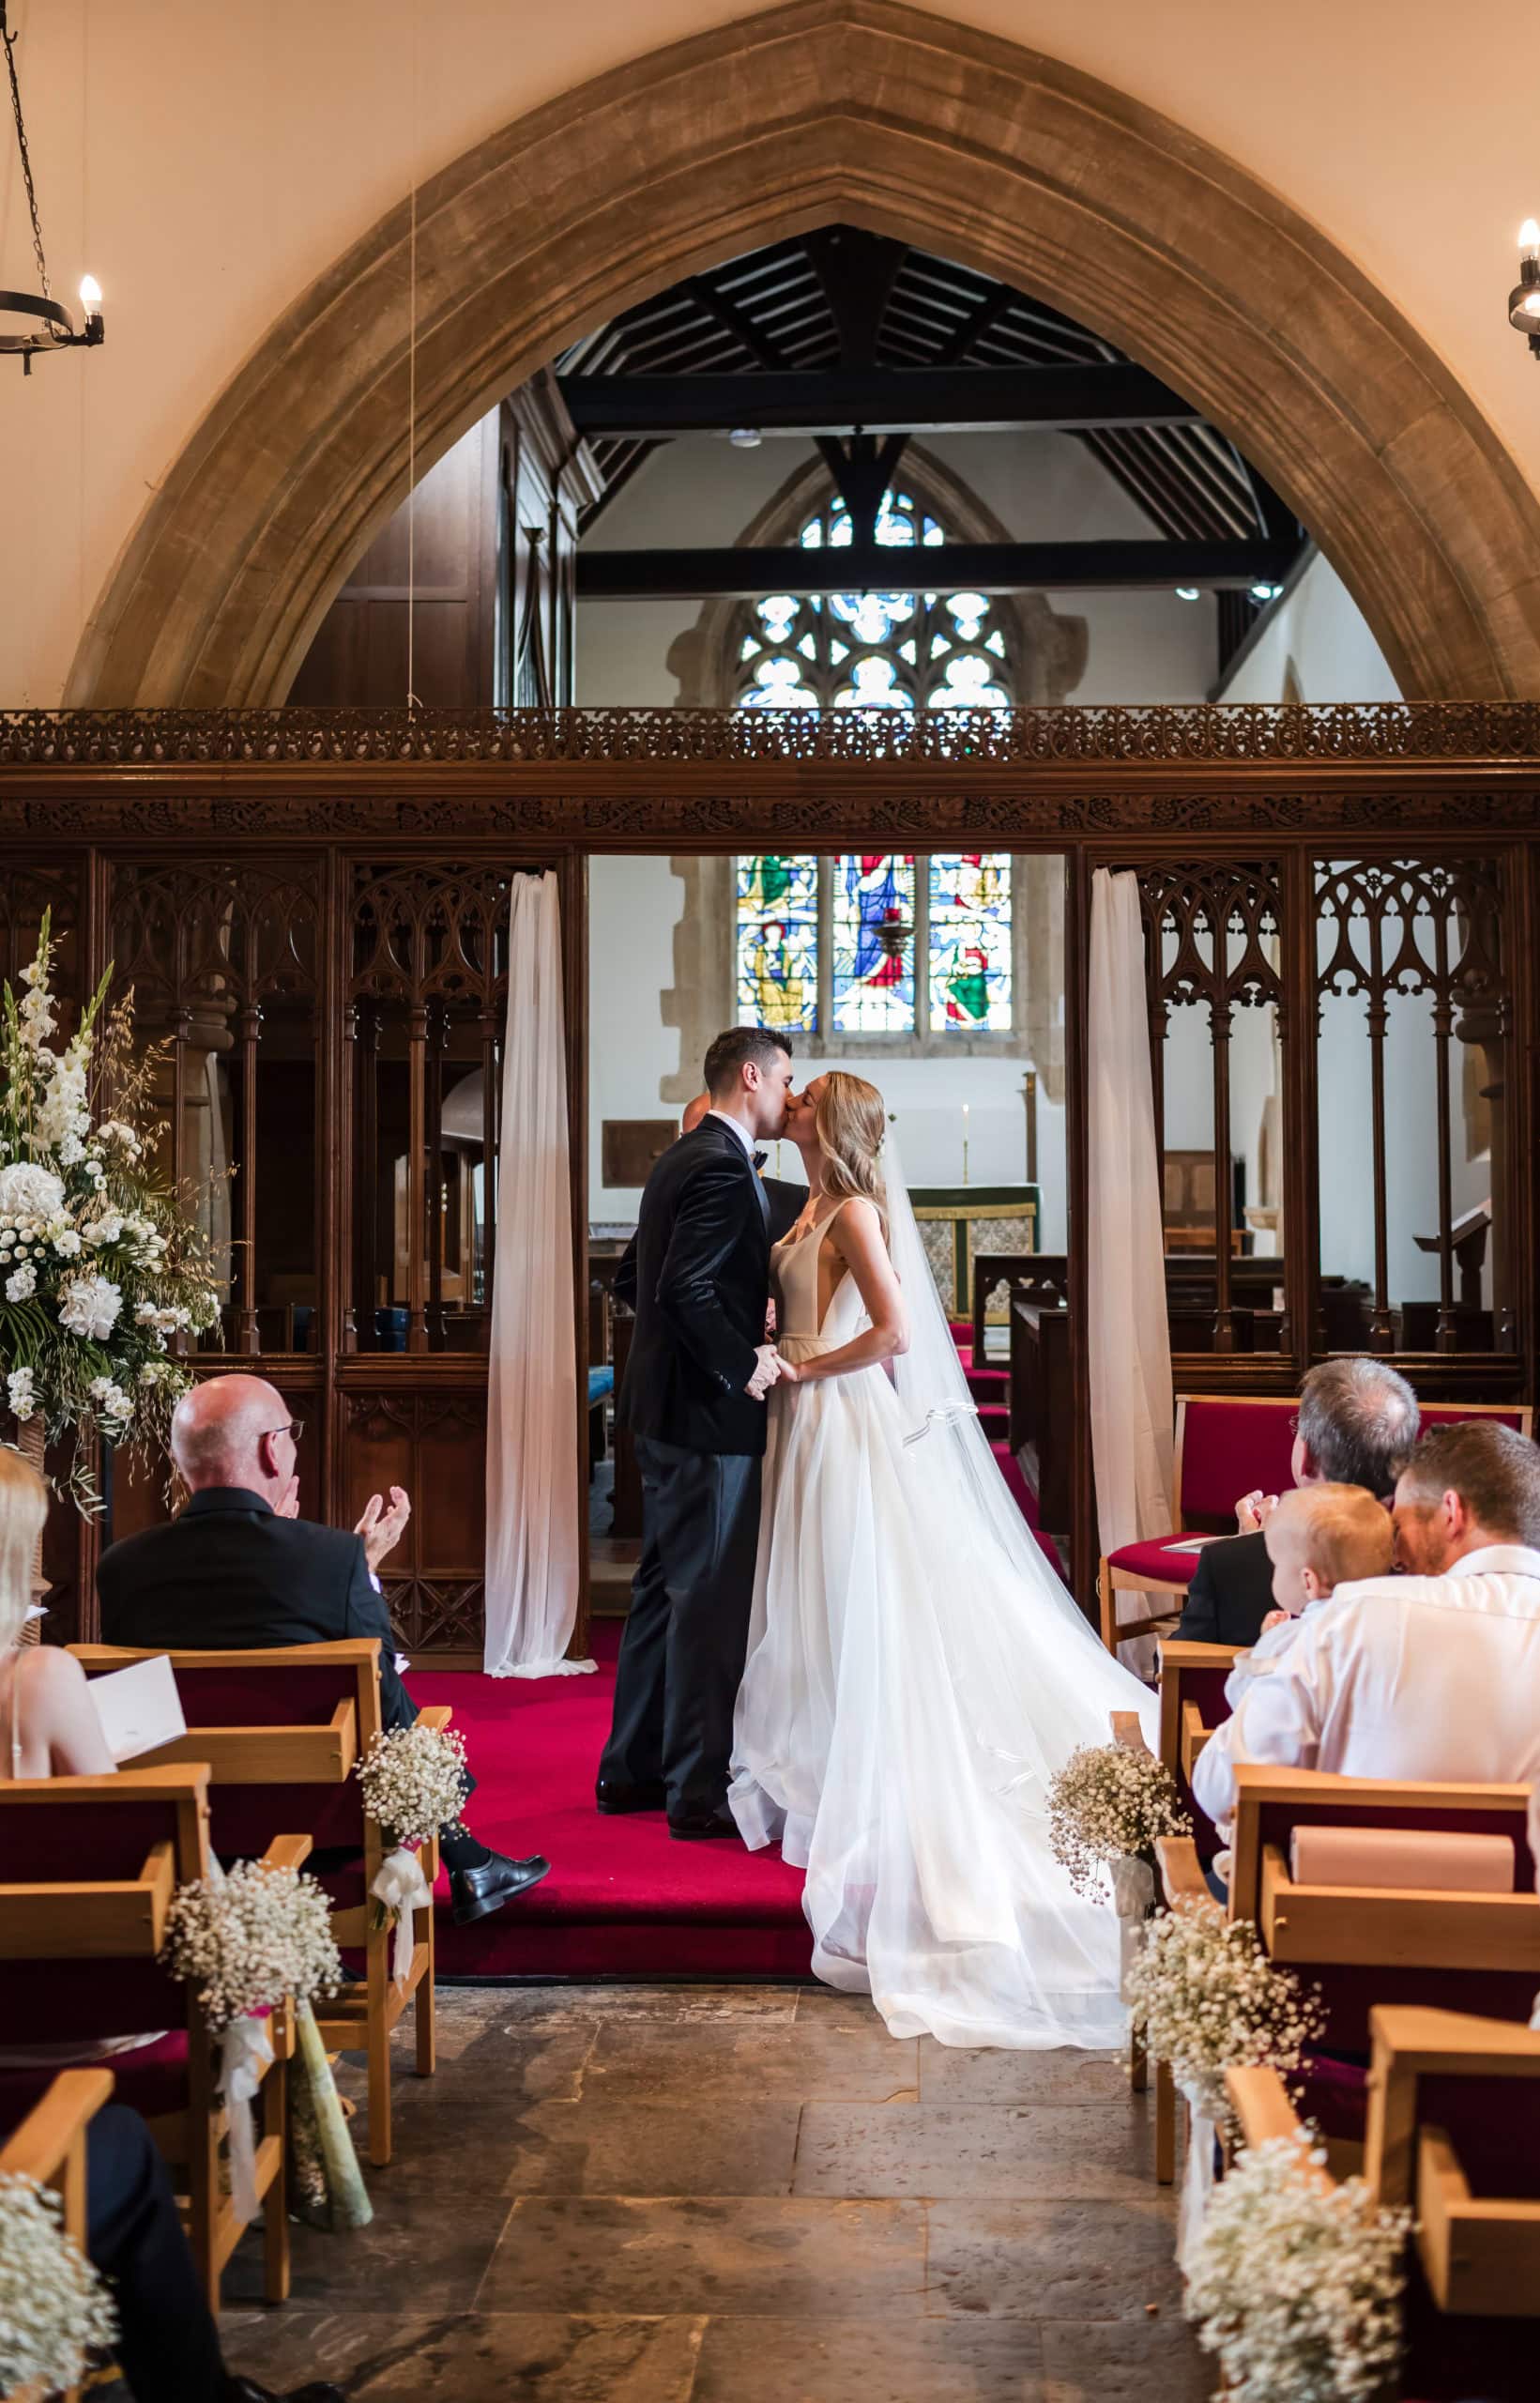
(1158, 1562)
(151, 2080)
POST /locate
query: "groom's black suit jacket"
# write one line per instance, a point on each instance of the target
(703, 1241)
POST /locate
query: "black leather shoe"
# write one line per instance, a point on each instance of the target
(475, 1893)
(246, 2390)
(611, 1796)
(702, 1827)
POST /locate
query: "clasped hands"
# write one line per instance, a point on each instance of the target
(381, 1526)
(770, 1369)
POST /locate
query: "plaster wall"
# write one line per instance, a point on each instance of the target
(206, 163)
(1315, 647)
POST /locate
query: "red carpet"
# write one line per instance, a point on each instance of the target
(622, 1897)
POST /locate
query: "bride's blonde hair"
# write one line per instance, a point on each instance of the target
(851, 1120)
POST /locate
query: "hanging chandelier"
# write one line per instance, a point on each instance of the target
(46, 323)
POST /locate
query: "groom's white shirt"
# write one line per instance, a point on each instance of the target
(739, 1129)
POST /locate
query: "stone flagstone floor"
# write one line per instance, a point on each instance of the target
(738, 2194)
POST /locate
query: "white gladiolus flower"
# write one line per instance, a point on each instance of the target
(88, 1306)
(71, 1152)
(19, 1393)
(22, 1283)
(28, 1191)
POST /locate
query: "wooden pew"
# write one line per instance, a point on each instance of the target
(1452, 2133)
(1040, 1277)
(91, 1948)
(1042, 1407)
(1192, 1705)
(49, 2146)
(281, 1730)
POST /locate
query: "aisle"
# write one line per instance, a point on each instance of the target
(711, 2194)
(623, 1899)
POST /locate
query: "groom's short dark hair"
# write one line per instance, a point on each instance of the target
(740, 1044)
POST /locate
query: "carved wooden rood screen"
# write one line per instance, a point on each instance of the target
(312, 906)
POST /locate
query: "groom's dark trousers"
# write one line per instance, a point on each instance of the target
(702, 1276)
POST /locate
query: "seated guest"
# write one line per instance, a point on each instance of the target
(236, 1571)
(1433, 1674)
(1357, 1423)
(48, 1726)
(1319, 1538)
(167, 2345)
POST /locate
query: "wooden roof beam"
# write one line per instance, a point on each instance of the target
(874, 401)
(749, 573)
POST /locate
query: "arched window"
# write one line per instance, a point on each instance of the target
(845, 650)
(875, 943)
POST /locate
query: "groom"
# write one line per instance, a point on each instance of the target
(693, 1398)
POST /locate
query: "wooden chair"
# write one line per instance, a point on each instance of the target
(1439, 1948)
(1126, 1729)
(1452, 2133)
(49, 2146)
(1192, 1705)
(91, 1952)
(282, 1731)
(1226, 1446)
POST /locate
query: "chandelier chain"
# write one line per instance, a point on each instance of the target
(11, 40)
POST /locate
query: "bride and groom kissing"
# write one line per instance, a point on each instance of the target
(842, 1638)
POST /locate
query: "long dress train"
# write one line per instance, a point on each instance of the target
(914, 1680)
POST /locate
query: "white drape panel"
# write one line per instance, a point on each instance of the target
(1129, 1343)
(532, 1480)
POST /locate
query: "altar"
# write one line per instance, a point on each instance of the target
(959, 1222)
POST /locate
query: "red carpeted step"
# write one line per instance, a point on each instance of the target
(622, 1896)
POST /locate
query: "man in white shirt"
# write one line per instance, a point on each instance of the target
(1434, 1675)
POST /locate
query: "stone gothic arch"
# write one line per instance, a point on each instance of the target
(888, 118)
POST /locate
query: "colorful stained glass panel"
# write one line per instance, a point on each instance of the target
(969, 942)
(873, 943)
(776, 940)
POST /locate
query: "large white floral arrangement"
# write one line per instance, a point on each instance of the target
(53, 2307)
(100, 1262)
(1296, 2284)
(1208, 1999)
(414, 1781)
(1111, 1802)
(249, 1937)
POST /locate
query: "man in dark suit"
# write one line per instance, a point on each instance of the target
(693, 1398)
(1358, 1424)
(785, 1199)
(239, 1570)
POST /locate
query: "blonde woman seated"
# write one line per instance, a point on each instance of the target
(48, 1727)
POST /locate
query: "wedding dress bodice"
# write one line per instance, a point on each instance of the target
(794, 1276)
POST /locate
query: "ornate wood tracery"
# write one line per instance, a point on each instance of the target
(1210, 942)
(1433, 927)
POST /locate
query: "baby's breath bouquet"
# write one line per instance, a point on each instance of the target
(414, 1781)
(1209, 1999)
(251, 1937)
(1108, 1803)
(100, 1260)
(1297, 2285)
(53, 2307)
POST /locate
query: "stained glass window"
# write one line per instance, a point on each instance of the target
(874, 650)
(969, 942)
(777, 942)
(873, 943)
(876, 944)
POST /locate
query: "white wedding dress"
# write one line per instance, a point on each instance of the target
(916, 1674)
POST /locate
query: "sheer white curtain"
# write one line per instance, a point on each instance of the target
(532, 1480)
(1130, 1342)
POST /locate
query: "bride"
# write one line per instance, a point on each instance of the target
(916, 1672)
